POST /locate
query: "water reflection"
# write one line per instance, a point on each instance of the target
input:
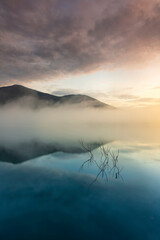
(28, 150)
(48, 197)
(106, 163)
(40, 202)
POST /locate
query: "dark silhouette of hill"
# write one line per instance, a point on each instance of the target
(36, 99)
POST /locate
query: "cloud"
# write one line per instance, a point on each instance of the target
(131, 99)
(41, 39)
(156, 88)
(65, 91)
(126, 97)
(146, 100)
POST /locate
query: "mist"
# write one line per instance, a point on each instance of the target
(71, 123)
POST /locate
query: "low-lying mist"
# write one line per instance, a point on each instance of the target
(54, 124)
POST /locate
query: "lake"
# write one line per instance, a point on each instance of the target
(105, 185)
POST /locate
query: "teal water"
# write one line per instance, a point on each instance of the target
(61, 195)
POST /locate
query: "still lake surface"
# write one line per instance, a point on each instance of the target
(61, 195)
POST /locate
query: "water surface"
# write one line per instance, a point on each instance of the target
(61, 195)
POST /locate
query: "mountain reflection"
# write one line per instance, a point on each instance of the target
(27, 151)
(48, 198)
(99, 156)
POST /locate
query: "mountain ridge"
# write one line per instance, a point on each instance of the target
(14, 93)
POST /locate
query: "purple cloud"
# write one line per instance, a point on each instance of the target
(47, 38)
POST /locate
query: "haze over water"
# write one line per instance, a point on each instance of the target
(60, 194)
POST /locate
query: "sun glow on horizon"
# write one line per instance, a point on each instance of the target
(122, 88)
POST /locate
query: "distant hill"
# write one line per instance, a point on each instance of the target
(36, 99)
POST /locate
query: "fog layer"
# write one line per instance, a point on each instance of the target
(18, 124)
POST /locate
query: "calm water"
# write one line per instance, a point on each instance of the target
(61, 195)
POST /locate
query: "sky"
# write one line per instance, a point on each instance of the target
(107, 49)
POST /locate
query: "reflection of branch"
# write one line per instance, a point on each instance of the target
(88, 149)
(107, 164)
(102, 171)
(115, 170)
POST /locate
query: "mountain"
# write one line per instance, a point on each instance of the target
(36, 99)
